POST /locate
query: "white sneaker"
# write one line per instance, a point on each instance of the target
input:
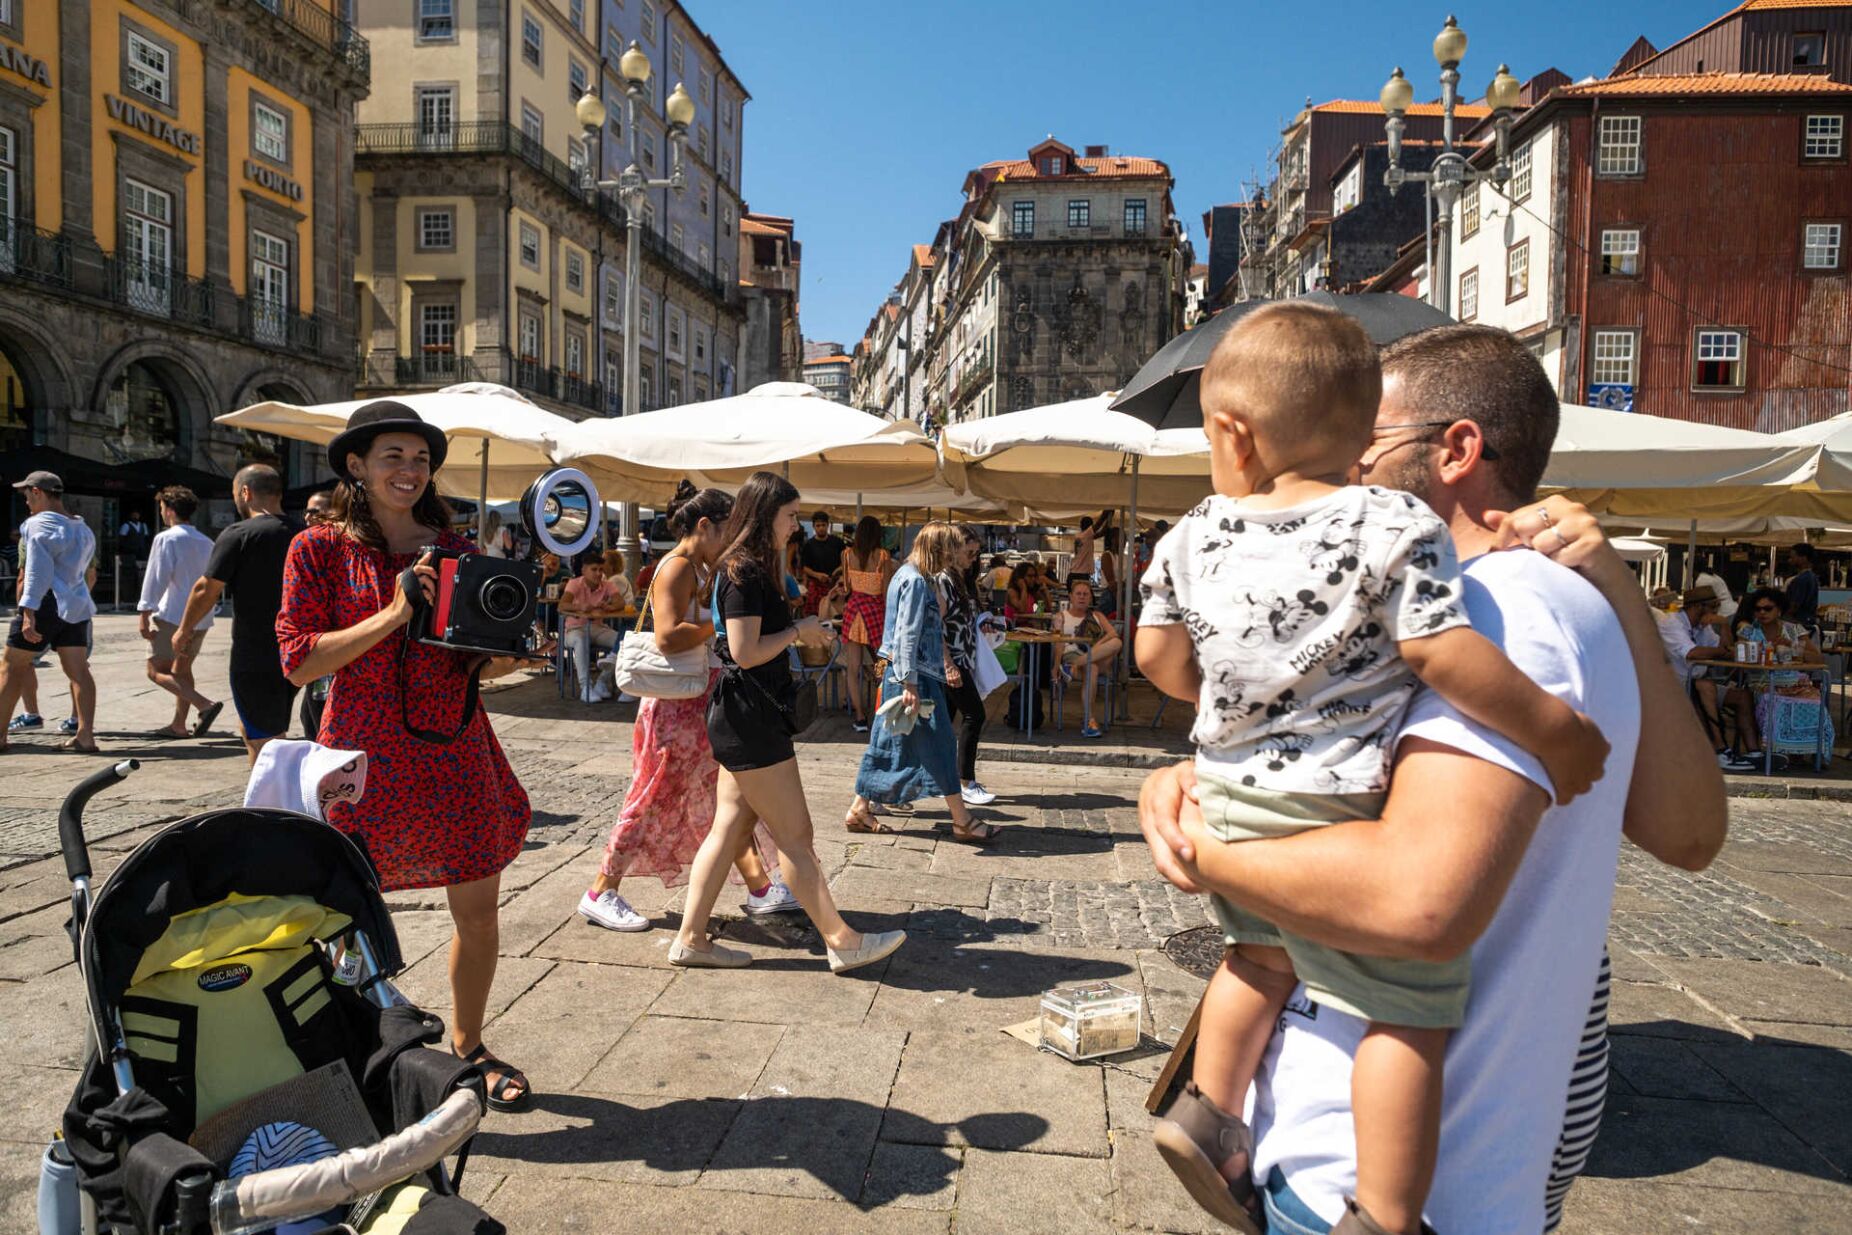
(777, 899)
(599, 693)
(612, 912)
(975, 794)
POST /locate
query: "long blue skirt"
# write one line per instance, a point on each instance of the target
(906, 767)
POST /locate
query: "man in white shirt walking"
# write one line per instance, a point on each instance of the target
(175, 563)
(1469, 853)
(55, 607)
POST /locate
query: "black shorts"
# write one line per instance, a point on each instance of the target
(264, 699)
(53, 631)
(745, 728)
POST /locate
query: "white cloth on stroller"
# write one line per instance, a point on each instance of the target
(305, 777)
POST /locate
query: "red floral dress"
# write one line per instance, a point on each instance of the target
(432, 815)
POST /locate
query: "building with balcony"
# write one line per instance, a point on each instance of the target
(829, 373)
(176, 236)
(482, 256)
(1061, 274)
(771, 263)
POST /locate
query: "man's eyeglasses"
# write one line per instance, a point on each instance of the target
(1486, 450)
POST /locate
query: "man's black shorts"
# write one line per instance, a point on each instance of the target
(53, 631)
(264, 699)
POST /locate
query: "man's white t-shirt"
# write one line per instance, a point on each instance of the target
(176, 560)
(1508, 1065)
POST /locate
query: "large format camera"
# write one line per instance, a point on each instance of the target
(486, 604)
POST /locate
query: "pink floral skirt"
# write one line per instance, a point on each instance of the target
(669, 808)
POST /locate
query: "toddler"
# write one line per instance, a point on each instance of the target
(1300, 613)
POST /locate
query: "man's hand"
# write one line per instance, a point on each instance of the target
(147, 625)
(184, 641)
(1162, 801)
(1565, 532)
(29, 626)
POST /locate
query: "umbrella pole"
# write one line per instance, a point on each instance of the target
(482, 499)
(858, 508)
(1126, 535)
(1691, 556)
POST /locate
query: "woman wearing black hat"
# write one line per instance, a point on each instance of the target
(435, 814)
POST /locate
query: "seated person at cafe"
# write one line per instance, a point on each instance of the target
(819, 561)
(1694, 644)
(1078, 621)
(588, 600)
(1788, 712)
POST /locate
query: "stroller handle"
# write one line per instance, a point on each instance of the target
(71, 816)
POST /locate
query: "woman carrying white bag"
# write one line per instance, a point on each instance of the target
(670, 804)
(974, 663)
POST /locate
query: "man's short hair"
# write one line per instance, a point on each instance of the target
(1803, 551)
(820, 517)
(179, 499)
(1297, 372)
(1488, 376)
(589, 560)
(260, 478)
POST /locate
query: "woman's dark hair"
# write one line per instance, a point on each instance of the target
(867, 539)
(750, 543)
(690, 505)
(1019, 572)
(350, 511)
(1774, 595)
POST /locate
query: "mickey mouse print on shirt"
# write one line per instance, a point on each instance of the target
(1295, 615)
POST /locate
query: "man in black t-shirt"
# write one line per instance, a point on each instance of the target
(820, 558)
(248, 559)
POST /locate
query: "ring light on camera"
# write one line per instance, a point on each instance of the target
(561, 511)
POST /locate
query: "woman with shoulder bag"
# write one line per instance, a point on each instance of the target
(750, 725)
(442, 807)
(911, 753)
(959, 586)
(669, 806)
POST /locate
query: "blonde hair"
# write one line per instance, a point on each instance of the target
(1298, 373)
(935, 549)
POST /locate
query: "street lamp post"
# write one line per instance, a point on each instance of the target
(632, 188)
(1450, 173)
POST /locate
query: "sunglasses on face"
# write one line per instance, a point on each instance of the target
(1426, 427)
(1765, 608)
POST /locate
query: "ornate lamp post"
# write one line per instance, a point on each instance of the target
(1450, 173)
(632, 188)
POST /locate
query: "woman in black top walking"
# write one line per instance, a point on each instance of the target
(749, 728)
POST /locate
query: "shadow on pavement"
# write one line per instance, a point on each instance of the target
(830, 1139)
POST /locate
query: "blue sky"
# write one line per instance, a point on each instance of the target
(866, 116)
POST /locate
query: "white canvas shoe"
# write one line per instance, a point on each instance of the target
(975, 794)
(777, 899)
(876, 945)
(612, 912)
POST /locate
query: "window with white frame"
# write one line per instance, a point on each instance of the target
(707, 87)
(1821, 245)
(269, 132)
(724, 270)
(675, 322)
(613, 387)
(269, 270)
(575, 13)
(437, 329)
(613, 42)
(1469, 295)
(9, 195)
(649, 21)
(577, 159)
(1350, 190)
(530, 246)
(1826, 137)
(437, 228)
(646, 146)
(646, 384)
(575, 355)
(675, 391)
(726, 110)
(705, 256)
(1520, 172)
(1080, 212)
(1469, 211)
(614, 300)
(1617, 153)
(675, 56)
(1517, 270)
(701, 140)
(646, 310)
(530, 39)
(437, 110)
(1620, 250)
(575, 271)
(530, 337)
(148, 69)
(700, 344)
(726, 166)
(437, 19)
(1051, 166)
(1614, 358)
(533, 124)
(701, 194)
(678, 236)
(1718, 360)
(575, 79)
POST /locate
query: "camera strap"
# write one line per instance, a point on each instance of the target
(470, 700)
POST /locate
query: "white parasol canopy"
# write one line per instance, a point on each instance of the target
(786, 427)
(485, 423)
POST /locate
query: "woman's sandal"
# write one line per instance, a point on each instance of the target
(979, 834)
(1195, 1137)
(864, 823)
(511, 1077)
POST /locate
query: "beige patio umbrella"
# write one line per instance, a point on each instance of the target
(499, 439)
(829, 451)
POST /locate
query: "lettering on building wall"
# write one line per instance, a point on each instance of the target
(25, 64)
(157, 127)
(275, 181)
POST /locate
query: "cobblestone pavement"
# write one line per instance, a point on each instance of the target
(784, 1099)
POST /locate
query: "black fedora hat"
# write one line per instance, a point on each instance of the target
(383, 416)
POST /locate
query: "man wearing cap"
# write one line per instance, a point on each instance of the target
(55, 607)
(1693, 642)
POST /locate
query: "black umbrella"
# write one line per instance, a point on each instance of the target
(1164, 391)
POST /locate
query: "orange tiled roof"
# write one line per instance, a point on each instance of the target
(828, 360)
(922, 253)
(1465, 111)
(1791, 4)
(1708, 83)
(752, 227)
(1110, 167)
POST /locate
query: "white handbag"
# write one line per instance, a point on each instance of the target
(986, 671)
(645, 670)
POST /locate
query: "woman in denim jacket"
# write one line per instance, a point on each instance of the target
(921, 762)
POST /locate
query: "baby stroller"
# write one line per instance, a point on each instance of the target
(251, 1068)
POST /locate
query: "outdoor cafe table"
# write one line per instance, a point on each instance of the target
(1044, 638)
(1767, 688)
